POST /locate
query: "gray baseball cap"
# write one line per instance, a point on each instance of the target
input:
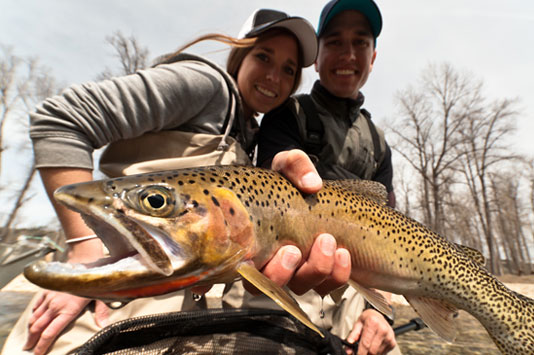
(262, 20)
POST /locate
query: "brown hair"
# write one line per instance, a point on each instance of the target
(240, 49)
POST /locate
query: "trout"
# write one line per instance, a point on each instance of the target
(176, 229)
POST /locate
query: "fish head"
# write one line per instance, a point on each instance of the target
(164, 231)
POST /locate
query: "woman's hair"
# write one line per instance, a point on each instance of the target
(240, 49)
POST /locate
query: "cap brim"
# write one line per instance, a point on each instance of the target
(302, 29)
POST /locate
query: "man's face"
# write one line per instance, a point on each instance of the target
(346, 54)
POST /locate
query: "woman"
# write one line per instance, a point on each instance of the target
(186, 95)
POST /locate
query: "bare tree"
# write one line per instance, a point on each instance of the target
(483, 147)
(426, 130)
(453, 137)
(23, 83)
(9, 97)
(132, 56)
(510, 220)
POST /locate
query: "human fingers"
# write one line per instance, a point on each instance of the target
(299, 169)
(50, 333)
(36, 327)
(40, 306)
(55, 305)
(377, 336)
(40, 299)
(101, 314)
(340, 274)
(318, 266)
(280, 268)
(354, 334)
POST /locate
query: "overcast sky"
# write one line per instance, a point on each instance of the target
(491, 39)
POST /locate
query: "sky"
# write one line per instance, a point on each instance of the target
(491, 40)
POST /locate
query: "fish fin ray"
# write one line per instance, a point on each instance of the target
(473, 254)
(337, 294)
(368, 188)
(276, 293)
(375, 298)
(438, 315)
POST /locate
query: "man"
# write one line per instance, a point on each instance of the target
(331, 127)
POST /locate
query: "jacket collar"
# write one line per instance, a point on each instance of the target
(338, 106)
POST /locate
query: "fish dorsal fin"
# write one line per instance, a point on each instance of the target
(376, 299)
(368, 188)
(474, 254)
(437, 315)
(276, 293)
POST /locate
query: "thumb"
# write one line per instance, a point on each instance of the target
(101, 314)
(355, 332)
(299, 169)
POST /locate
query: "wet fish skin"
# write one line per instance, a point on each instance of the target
(220, 218)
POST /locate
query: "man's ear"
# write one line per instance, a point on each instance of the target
(372, 61)
(315, 66)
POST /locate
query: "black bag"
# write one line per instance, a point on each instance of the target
(212, 331)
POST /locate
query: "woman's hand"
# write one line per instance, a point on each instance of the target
(54, 311)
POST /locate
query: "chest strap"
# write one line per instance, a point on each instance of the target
(313, 140)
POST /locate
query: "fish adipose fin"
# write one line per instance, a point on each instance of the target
(276, 293)
(375, 298)
(437, 315)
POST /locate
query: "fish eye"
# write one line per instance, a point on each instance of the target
(156, 201)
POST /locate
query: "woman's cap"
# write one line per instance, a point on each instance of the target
(262, 20)
(367, 7)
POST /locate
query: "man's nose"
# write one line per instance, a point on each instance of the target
(348, 51)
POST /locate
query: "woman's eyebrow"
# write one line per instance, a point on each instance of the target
(271, 51)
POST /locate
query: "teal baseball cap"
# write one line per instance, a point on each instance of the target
(367, 7)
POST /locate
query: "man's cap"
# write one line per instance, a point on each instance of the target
(367, 7)
(262, 20)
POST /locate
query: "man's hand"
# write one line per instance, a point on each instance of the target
(296, 166)
(52, 313)
(326, 267)
(373, 333)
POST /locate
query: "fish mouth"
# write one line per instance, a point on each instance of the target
(139, 254)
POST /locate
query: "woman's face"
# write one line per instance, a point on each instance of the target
(267, 74)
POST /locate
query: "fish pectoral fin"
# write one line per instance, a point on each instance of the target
(438, 315)
(276, 293)
(337, 294)
(375, 298)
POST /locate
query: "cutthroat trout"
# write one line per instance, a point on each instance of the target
(176, 229)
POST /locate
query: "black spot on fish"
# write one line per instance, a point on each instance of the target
(215, 201)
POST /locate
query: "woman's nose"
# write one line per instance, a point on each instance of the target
(273, 75)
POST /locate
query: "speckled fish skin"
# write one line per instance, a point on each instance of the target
(218, 217)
